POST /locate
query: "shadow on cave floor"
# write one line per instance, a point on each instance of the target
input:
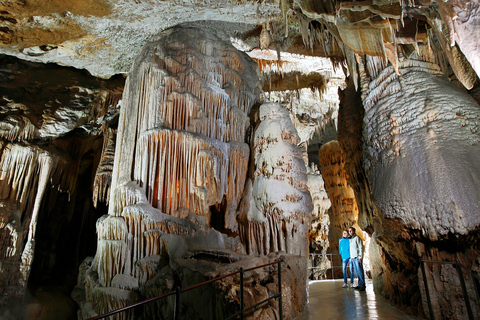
(328, 300)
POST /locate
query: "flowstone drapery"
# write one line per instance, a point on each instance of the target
(26, 173)
(276, 210)
(181, 161)
(419, 129)
(421, 142)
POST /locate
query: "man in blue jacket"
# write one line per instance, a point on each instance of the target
(344, 248)
(356, 251)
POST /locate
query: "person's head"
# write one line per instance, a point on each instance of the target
(345, 233)
(351, 231)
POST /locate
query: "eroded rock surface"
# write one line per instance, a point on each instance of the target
(180, 166)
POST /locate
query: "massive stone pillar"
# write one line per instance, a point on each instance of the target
(276, 212)
(181, 162)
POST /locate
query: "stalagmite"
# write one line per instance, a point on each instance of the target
(344, 211)
(180, 150)
(276, 208)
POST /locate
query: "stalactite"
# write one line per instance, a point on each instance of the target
(103, 175)
(169, 161)
(25, 175)
(17, 128)
(180, 149)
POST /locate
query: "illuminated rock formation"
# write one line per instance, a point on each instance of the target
(420, 142)
(103, 175)
(179, 151)
(321, 204)
(26, 172)
(320, 227)
(344, 210)
(41, 162)
(276, 210)
(409, 136)
(180, 167)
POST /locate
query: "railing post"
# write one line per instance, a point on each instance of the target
(176, 311)
(241, 293)
(432, 317)
(331, 265)
(464, 289)
(476, 284)
(280, 306)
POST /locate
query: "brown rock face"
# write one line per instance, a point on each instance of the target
(344, 211)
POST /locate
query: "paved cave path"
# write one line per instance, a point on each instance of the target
(328, 300)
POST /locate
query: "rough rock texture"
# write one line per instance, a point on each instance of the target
(344, 210)
(421, 147)
(395, 241)
(276, 209)
(44, 164)
(51, 116)
(319, 231)
(179, 170)
(425, 135)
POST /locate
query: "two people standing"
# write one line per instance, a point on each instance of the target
(351, 250)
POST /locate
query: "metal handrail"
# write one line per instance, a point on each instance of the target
(458, 267)
(178, 291)
(331, 261)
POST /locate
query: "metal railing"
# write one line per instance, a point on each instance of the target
(332, 266)
(241, 313)
(458, 267)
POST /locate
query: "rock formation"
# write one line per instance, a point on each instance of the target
(407, 126)
(180, 167)
(277, 205)
(320, 227)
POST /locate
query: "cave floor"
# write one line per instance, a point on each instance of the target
(328, 300)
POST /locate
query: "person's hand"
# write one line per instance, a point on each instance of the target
(360, 260)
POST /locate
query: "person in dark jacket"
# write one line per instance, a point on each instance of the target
(344, 248)
(356, 251)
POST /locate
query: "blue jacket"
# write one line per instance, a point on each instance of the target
(344, 247)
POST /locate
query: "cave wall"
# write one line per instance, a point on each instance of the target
(47, 166)
(408, 126)
(415, 161)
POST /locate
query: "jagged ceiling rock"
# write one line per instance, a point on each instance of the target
(46, 101)
(105, 36)
(307, 86)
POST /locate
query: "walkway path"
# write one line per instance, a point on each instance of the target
(328, 300)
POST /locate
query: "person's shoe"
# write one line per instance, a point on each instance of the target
(360, 288)
(345, 285)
